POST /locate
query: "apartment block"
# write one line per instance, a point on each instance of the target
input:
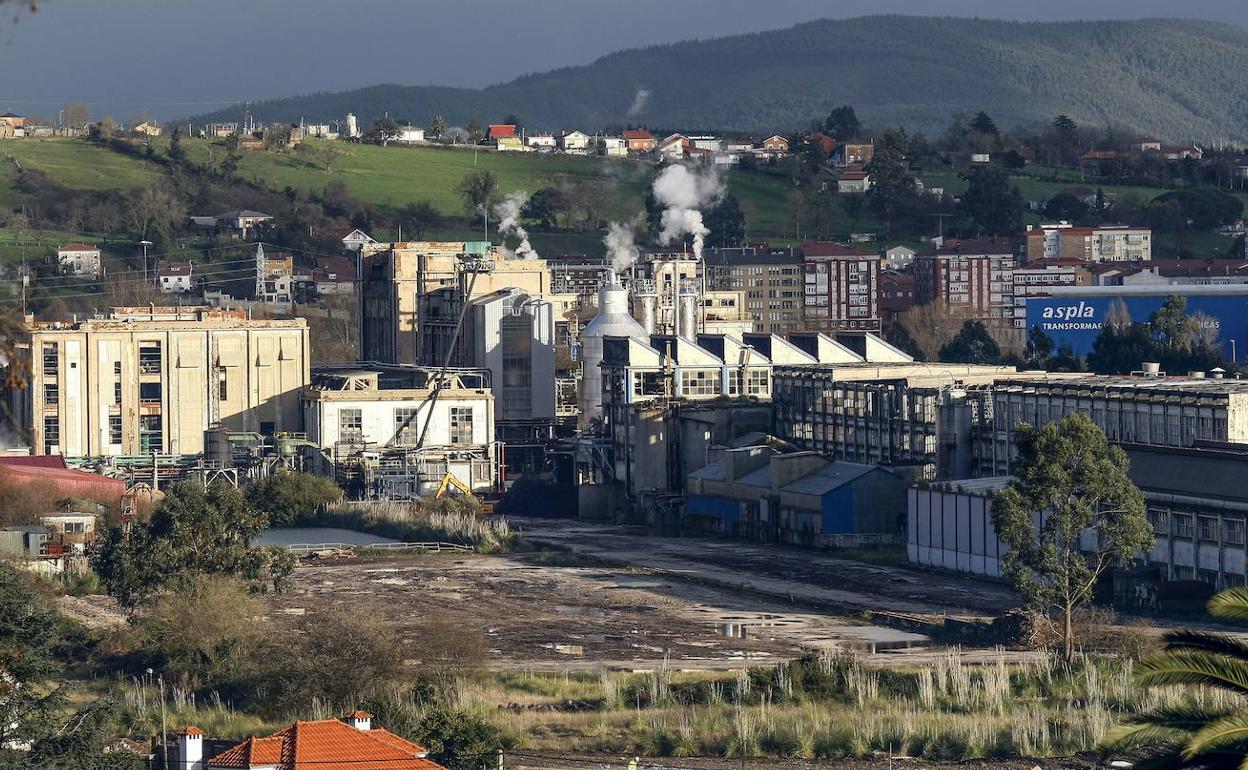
(971, 276)
(1110, 243)
(770, 281)
(152, 380)
(841, 287)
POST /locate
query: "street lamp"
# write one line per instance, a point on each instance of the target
(164, 735)
(145, 244)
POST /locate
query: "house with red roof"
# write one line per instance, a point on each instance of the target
(639, 141)
(79, 259)
(502, 131)
(350, 743)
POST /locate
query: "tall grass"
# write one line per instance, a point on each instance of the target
(419, 522)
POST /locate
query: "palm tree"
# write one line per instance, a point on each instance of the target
(1194, 735)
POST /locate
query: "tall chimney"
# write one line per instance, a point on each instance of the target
(360, 720)
(190, 749)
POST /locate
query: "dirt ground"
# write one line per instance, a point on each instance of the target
(538, 761)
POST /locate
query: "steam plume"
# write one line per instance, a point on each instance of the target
(508, 212)
(621, 250)
(682, 193)
(639, 102)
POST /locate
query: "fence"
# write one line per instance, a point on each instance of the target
(434, 547)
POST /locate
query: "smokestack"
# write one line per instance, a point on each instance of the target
(191, 749)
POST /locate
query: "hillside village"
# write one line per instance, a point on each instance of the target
(330, 444)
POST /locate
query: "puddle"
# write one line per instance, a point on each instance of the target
(584, 612)
(392, 581)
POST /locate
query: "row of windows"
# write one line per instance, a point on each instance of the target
(1193, 527)
(406, 430)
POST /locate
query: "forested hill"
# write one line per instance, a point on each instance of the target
(1178, 79)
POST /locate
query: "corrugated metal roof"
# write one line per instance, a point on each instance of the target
(829, 477)
(758, 478)
(712, 472)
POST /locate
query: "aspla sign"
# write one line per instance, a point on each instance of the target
(1077, 320)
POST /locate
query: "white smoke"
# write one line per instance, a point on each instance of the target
(508, 212)
(639, 102)
(621, 251)
(682, 193)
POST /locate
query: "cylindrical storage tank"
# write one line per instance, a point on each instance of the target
(688, 312)
(612, 320)
(644, 310)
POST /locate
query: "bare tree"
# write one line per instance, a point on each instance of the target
(933, 325)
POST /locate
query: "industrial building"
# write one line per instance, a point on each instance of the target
(1194, 501)
(153, 380)
(893, 413)
(1147, 409)
(394, 431)
(512, 334)
(798, 498)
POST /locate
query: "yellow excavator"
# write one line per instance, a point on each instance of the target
(449, 481)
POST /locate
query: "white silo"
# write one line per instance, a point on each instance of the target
(645, 304)
(612, 320)
(687, 310)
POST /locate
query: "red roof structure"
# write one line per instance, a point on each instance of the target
(67, 482)
(327, 744)
(502, 130)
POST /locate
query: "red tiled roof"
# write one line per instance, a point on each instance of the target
(638, 135)
(327, 744)
(192, 730)
(502, 131)
(78, 247)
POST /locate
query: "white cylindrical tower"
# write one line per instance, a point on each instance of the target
(645, 304)
(353, 128)
(612, 320)
(687, 310)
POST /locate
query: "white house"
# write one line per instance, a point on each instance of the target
(673, 146)
(356, 240)
(79, 259)
(175, 277)
(612, 147)
(853, 180)
(711, 143)
(410, 135)
(575, 143)
(540, 141)
(898, 257)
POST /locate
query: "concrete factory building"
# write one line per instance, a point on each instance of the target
(384, 428)
(153, 380)
(512, 334)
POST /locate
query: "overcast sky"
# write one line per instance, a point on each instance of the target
(178, 57)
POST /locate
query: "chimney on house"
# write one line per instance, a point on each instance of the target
(360, 720)
(190, 749)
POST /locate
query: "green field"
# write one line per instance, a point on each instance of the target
(82, 165)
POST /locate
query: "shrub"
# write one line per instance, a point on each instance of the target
(290, 498)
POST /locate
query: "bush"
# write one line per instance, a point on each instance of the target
(290, 498)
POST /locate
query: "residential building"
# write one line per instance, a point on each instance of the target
(853, 153)
(674, 147)
(390, 412)
(854, 179)
(325, 743)
(148, 128)
(770, 279)
(775, 146)
(575, 143)
(144, 381)
(502, 131)
(972, 276)
(612, 147)
(896, 295)
(639, 141)
(175, 277)
(1111, 243)
(899, 257)
(326, 276)
(510, 144)
(541, 141)
(79, 259)
(241, 221)
(275, 275)
(1039, 278)
(409, 134)
(841, 287)
(353, 240)
(739, 146)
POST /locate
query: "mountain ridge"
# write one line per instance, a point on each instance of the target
(1175, 78)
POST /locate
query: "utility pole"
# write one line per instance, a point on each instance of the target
(145, 243)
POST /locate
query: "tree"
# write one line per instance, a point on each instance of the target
(547, 205)
(1039, 348)
(458, 738)
(842, 123)
(972, 345)
(1197, 734)
(1065, 206)
(897, 336)
(1073, 481)
(993, 204)
(75, 116)
(196, 530)
(726, 223)
(382, 131)
(106, 129)
(478, 191)
(176, 151)
(475, 132)
(289, 498)
(982, 123)
(437, 126)
(419, 217)
(932, 325)
(892, 185)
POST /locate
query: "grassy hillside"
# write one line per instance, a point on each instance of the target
(81, 165)
(1179, 79)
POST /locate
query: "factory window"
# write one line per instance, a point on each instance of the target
(1183, 525)
(149, 392)
(117, 383)
(149, 358)
(51, 394)
(51, 434)
(1231, 580)
(756, 382)
(1208, 527)
(701, 382)
(51, 360)
(223, 389)
(461, 425)
(350, 425)
(151, 438)
(1160, 520)
(1234, 534)
(405, 433)
(114, 429)
(649, 384)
